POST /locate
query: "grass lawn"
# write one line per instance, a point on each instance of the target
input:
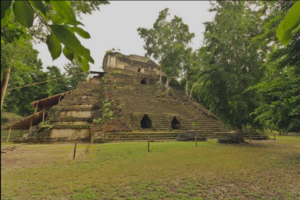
(172, 170)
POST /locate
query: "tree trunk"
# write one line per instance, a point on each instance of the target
(160, 75)
(240, 134)
(186, 84)
(4, 85)
(167, 84)
(191, 92)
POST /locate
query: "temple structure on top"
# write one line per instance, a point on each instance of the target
(132, 63)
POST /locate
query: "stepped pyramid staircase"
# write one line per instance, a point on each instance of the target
(139, 99)
(71, 119)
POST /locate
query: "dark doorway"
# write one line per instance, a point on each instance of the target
(146, 122)
(144, 81)
(139, 69)
(175, 123)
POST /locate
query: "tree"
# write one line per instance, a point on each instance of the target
(25, 69)
(230, 65)
(280, 104)
(75, 74)
(56, 86)
(156, 39)
(166, 40)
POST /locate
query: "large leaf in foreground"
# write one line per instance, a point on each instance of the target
(67, 38)
(23, 13)
(39, 6)
(81, 32)
(289, 24)
(4, 6)
(54, 46)
(68, 54)
(64, 9)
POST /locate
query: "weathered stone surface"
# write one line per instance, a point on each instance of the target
(127, 104)
(70, 133)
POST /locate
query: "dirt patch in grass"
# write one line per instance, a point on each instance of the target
(172, 170)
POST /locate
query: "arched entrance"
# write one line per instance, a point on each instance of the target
(146, 122)
(175, 123)
(144, 81)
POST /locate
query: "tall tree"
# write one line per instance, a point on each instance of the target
(25, 69)
(59, 85)
(230, 64)
(280, 104)
(165, 40)
(74, 74)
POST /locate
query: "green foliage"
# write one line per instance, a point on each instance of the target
(56, 86)
(69, 54)
(54, 46)
(25, 69)
(39, 6)
(74, 74)
(23, 13)
(107, 113)
(5, 5)
(60, 32)
(289, 25)
(230, 65)
(279, 90)
(166, 42)
(65, 11)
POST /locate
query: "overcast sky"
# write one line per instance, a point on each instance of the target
(115, 26)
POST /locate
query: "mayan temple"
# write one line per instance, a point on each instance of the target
(123, 103)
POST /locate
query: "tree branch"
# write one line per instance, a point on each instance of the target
(38, 15)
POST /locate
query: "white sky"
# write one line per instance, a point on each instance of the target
(115, 26)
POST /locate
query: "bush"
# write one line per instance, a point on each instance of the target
(231, 139)
(190, 136)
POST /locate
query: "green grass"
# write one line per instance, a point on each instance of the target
(7, 118)
(172, 170)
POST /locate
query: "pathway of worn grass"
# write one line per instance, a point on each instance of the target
(172, 170)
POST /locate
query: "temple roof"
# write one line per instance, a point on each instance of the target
(24, 124)
(50, 101)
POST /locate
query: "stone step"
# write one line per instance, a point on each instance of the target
(74, 108)
(78, 114)
(72, 119)
(71, 123)
(85, 106)
(72, 126)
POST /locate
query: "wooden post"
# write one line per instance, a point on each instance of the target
(92, 139)
(249, 136)
(4, 85)
(196, 141)
(30, 129)
(273, 133)
(36, 107)
(148, 144)
(8, 135)
(59, 99)
(74, 150)
(43, 115)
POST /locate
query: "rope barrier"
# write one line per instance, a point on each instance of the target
(28, 85)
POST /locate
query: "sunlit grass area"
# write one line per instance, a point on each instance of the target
(172, 170)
